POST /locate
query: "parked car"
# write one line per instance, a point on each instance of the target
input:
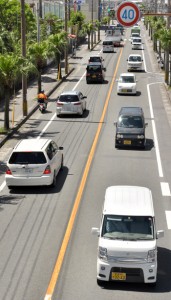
(127, 84)
(137, 44)
(34, 162)
(95, 72)
(130, 128)
(71, 102)
(135, 62)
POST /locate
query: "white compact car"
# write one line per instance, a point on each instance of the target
(71, 102)
(34, 162)
(137, 43)
(127, 84)
(135, 62)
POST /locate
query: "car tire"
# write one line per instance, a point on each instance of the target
(62, 163)
(54, 180)
(10, 187)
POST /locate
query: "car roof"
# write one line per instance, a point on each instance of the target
(134, 55)
(94, 64)
(127, 74)
(128, 200)
(70, 93)
(131, 111)
(31, 144)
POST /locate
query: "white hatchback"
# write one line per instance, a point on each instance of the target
(135, 62)
(34, 162)
(71, 102)
(137, 44)
(127, 84)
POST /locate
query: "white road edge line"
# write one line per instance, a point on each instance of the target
(160, 170)
(168, 218)
(165, 189)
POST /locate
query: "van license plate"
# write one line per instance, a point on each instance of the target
(118, 276)
(127, 142)
(93, 76)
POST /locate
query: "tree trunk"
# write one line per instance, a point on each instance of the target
(6, 112)
(167, 67)
(89, 41)
(39, 82)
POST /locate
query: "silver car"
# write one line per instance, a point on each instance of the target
(71, 102)
(34, 162)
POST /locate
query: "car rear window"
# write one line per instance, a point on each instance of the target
(27, 158)
(108, 43)
(95, 59)
(68, 98)
(94, 69)
(136, 40)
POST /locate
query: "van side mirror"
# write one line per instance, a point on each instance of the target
(146, 124)
(84, 97)
(115, 123)
(95, 231)
(160, 233)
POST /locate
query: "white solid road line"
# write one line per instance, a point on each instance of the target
(168, 218)
(165, 189)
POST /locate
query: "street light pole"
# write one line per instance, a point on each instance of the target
(66, 29)
(23, 40)
(92, 23)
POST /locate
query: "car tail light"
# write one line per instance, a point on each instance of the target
(8, 171)
(77, 103)
(47, 170)
(88, 74)
(59, 103)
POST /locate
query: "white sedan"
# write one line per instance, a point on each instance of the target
(127, 84)
(71, 102)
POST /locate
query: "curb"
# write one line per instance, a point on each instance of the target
(24, 119)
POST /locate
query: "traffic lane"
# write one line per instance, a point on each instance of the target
(27, 230)
(108, 168)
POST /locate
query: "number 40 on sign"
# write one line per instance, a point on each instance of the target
(128, 14)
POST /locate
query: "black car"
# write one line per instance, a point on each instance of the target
(96, 59)
(95, 72)
(130, 128)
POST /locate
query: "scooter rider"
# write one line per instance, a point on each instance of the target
(42, 98)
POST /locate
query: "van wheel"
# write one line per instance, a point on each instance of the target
(152, 284)
(100, 283)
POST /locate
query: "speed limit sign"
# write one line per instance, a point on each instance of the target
(128, 14)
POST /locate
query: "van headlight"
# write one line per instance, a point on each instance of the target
(103, 253)
(141, 136)
(151, 256)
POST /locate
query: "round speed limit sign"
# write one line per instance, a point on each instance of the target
(128, 14)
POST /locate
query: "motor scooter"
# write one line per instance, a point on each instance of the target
(42, 105)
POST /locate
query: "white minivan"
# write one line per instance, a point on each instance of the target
(127, 249)
(108, 46)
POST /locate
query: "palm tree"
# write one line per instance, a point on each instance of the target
(38, 53)
(165, 37)
(11, 67)
(56, 44)
(87, 28)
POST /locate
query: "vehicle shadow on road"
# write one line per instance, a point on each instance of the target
(61, 178)
(163, 277)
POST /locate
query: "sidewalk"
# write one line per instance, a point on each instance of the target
(49, 85)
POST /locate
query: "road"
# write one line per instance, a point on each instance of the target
(40, 260)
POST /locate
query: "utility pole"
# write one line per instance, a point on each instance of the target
(66, 29)
(167, 66)
(99, 18)
(23, 41)
(92, 23)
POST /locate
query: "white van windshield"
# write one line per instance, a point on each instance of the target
(128, 227)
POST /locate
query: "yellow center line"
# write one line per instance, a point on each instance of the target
(77, 201)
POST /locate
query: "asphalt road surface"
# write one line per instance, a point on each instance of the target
(46, 247)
